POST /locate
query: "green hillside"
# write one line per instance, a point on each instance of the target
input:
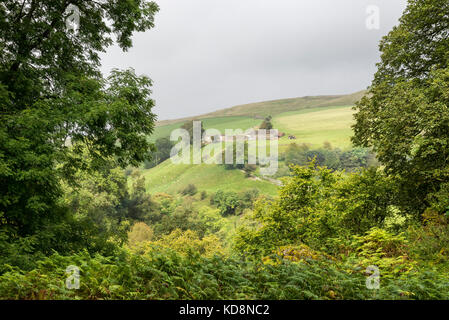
(317, 125)
(310, 119)
(170, 178)
(311, 125)
(219, 123)
(274, 107)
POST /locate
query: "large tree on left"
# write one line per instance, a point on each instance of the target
(55, 105)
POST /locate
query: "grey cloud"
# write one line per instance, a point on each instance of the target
(204, 55)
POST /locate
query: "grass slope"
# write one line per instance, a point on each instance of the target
(219, 123)
(170, 178)
(312, 120)
(274, 107)
(315, 126)
(311, 125)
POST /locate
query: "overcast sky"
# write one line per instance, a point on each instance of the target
(205, 55)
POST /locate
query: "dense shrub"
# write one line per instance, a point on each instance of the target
(317, 205)
(185, 243)
(163, 148)
(189, 190)
(335, 159)
(184, 217)
(365, 200)
(140, 232)
(226, 202)
(430, 241)
(163, 274)
(230, 203)
(303, 213)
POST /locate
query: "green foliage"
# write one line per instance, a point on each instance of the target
(162, 152)
(179, 215)
(418, 44)
(298, 215)
(266, 124)
(230, 203)
(189, 190)
(140, 232)
(315, 206)
(185, 243)
(405, 116)
(335, 159)
(226, 202)
(65, 132)
(55, 104)
(98, 199)
(249, 169)
(430, 242)
(139, 204)
(323, 255)
(163, 274)
(365, 200)
(248, 197)
(166, 275)
(386, 251)
(189, 127)
(296, 154)
(20, 253)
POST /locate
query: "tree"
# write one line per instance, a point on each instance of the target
(302, 213)
(95, 207)
(315, 207)
(266, 124)
(54, 102)
(405, 115)
(365, 199)
(227, 202)
(248, 197)
(163, 147)
(140, 232)
(189, 127)
(249, 169)
(296, 154)
(140, 206)
(189, 190)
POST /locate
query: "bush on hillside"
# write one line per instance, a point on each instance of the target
(189, 190)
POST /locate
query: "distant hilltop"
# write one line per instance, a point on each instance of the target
(260, 110)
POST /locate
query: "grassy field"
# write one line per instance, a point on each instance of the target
(219, 123)
(315, 126)
(312, 125)
(275, 107)
(223, 123)
(164, 131)
(170, 178)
